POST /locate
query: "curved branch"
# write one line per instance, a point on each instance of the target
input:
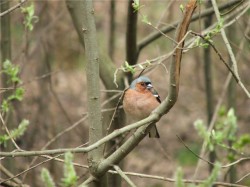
(166, 105)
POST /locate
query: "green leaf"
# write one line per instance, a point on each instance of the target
(242, 142)
(20, 129)
(129, 68)
(47, 178)
(5, 105)
(179, 178)
(202, 131)
(12, 71)
(136, 5)
(30, 17)
(15, 133)
(70, 177)
(213, 176)
(18, 95)
(182, 7)
(145, 19)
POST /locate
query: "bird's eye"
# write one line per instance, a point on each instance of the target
(142, 83)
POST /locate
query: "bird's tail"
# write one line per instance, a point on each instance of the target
(153, 133)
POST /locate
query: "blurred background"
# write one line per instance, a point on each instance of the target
(51, 60)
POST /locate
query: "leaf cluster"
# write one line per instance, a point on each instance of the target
(70, 177)
(12, 72)
(15, 133)
(225, 131)
(30, 17)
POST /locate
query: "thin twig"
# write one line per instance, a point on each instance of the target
(224, 166)
(155, 35)
(219, 54)
(109, 137)
(234, 7)
(173, 180)
(124, 176)
(8, 132)
(89, 180)
(13, 8)
(242, 178)
(30, 168)
(229, 48)
(213, 120)
(9, 174)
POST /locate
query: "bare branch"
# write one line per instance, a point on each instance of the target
(155, 35)
(112, 135)
(229, 49)
(13, 8)
(124, 176)
(173, 180)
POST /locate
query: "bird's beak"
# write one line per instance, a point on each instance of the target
(149, 86)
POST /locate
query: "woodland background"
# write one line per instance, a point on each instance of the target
(51, 60)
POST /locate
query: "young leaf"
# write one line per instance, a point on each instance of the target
(182, 8)
(179, 178)
(70, 177)
(47, 178)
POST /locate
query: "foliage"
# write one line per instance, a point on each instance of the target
(208, 37)
(206, 183)
(12, 72)
(179, 178)
(30, 17)
(128, 68)
(47, 178)
(15, 133)
(213, 176)
(136, 5)
(182, 8)
(69, 179)
(224, 131)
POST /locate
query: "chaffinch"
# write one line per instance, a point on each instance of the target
(140, 99)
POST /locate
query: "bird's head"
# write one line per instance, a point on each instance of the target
(140, 84)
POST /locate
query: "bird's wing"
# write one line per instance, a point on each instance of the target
(154, 92)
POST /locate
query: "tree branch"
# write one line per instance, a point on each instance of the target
(12, 8)
(112, 135)
(229, 49)
(93, 87)
(155, 35)
(107, 67)
(166, 105)
(124, 176)
(131, 35)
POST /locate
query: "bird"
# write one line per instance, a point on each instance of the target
(140, 99)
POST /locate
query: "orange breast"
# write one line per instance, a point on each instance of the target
(139, 105)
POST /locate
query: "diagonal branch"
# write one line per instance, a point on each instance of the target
(155, 35)
(124, 176)
(229, 48)
(12, 8)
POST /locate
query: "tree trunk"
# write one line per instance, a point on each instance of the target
(93, 89)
